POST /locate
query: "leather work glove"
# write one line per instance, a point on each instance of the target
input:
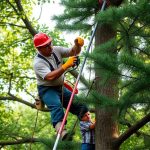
(70, 62)
(79, 41)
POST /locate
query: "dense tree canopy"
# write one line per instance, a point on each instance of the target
(17, 79)
(130, 64)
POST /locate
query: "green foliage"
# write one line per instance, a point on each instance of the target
(72, 15)
(124, 59)
(17, 78)
(132, 58)
(139, 136)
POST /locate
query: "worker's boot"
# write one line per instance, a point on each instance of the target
(64, 132)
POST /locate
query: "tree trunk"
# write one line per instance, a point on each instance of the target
(106, 125)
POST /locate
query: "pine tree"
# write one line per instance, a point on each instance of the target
(122, 64)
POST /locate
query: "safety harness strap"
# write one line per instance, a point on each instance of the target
(56, 59)
(50, 65)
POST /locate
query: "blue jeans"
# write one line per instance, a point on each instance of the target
(52, 97)
(86, 146)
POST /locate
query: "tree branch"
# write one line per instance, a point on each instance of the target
(11, 24)
(133, 129)
(24, 18)
(141, 50)
(14, 98)
(12, 6)
(138, 133)
(20, 141)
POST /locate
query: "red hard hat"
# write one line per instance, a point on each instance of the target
(41, 39)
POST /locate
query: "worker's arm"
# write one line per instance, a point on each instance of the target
(54, 74)
(79, 42)
(58, 72)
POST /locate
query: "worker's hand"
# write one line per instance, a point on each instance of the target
(79, 41)
(70, 62)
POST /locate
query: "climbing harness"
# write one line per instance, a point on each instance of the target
(67, 83)
(55, 57)
(39, 104)
(75, 86)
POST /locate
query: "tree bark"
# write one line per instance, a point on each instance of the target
(106, 126)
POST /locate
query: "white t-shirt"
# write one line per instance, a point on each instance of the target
(42, 68)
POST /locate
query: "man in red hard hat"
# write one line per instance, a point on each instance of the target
(49, 71)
